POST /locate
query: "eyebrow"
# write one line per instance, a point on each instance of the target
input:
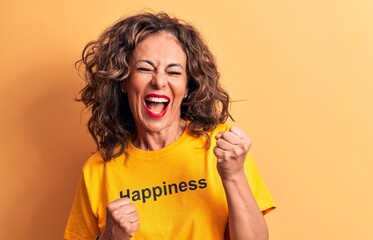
(153, 64)
(175, 65)
(146, 61)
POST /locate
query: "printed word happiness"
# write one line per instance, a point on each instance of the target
(167, 189)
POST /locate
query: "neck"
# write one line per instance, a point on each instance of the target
(150, 141)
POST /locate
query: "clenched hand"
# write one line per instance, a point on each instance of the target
(122, 220)
(231, 149)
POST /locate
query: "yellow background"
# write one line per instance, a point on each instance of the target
(301, 73)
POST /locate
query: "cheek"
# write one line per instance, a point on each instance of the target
(134, 98)
(135, 87)
(179, 89)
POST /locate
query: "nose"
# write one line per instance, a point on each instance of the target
(159, 80)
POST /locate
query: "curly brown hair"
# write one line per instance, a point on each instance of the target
(105, 64)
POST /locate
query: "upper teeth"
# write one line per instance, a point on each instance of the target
(156, 99)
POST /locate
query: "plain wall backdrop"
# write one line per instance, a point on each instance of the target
(300, 72)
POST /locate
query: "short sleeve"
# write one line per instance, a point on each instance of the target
(258, 187)
(82, 223)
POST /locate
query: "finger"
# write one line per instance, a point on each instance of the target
(125, 225)
(119, 207)
(224, 144)
(119, 203)
(219, 135)
(220, 154)
(230, 138)
(240, 139)
(232, 146)
(238, 132)
(132, 217)
(126, 209)
(135, 226)
(132, 228)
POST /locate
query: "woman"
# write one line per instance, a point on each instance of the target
(166, 158)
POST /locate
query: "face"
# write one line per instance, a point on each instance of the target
(157, 82)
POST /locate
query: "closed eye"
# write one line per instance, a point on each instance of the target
(143, 69)
(174, 73)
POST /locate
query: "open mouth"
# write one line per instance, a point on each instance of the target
(156, 105)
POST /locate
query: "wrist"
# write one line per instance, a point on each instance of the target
(234, 178)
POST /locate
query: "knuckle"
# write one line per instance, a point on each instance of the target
(237, 152)
(122, 221)
(133, 207)
(109, 207)
(125, 200)
(124, 224)
(115, 212)
(244, 147)
(127, 228)
(129, 209)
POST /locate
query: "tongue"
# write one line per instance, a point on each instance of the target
(155, 107)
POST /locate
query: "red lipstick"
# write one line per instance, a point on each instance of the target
(158, 99)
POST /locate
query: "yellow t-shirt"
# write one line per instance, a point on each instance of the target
(177, 191)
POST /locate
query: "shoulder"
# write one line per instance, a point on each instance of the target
(93, 165)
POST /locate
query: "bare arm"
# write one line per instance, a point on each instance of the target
(246, 221)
